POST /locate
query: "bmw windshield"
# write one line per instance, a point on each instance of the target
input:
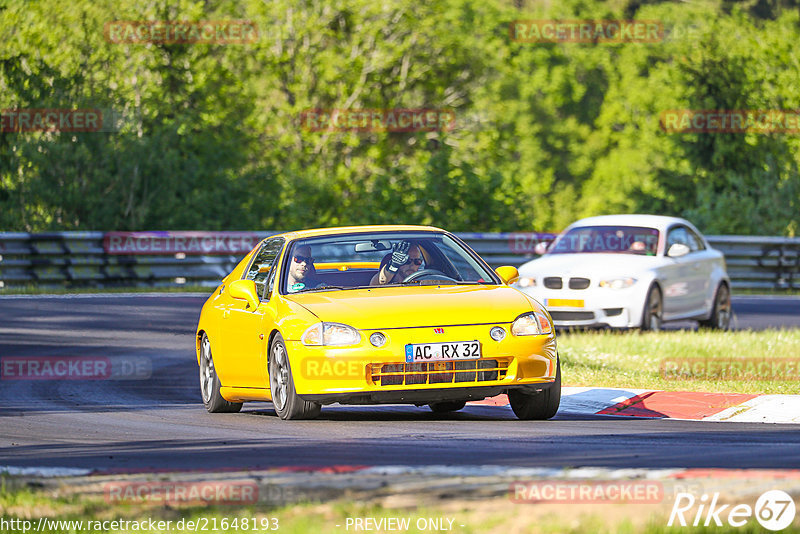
(607, 239)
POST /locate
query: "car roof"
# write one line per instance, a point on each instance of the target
(660, 222)
(343, 230)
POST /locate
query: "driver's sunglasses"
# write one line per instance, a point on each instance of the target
(300, 259)
(415, 261)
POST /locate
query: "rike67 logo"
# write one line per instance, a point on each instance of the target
(774, 510)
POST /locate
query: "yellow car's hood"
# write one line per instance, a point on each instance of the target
(397, 307)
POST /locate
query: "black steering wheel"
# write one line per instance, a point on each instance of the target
(431, 274)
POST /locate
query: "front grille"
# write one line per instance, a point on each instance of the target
(409, 374)
(572, 315)
(553, 282)
(578, 283)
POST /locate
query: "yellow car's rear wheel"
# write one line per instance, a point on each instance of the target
(210, 384)
(541, 405)
(281, 384)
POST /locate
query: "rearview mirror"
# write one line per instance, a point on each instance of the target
(540, 248)
(677, 250)
(244, 290)
(508, 274)
(374, 246)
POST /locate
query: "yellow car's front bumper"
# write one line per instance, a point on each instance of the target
(366, 374)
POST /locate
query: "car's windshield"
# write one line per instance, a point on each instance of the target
(608, 239)
(389, 259)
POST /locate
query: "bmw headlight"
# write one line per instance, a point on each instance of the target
(618, 283)
(525, 281)
(330, 334)
(531, 324)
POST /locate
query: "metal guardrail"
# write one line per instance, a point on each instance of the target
(161, 259)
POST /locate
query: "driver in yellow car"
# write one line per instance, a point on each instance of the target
(404, 260)
(301, 271)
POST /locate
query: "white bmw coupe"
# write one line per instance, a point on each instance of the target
(629, 271)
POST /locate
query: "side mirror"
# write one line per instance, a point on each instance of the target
(540, 248)
(244, 290)
(677, 250)
(508, 274)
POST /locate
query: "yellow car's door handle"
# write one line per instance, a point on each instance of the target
(226, 314)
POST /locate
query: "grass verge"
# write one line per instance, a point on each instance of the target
(683, 360)
(490, 516)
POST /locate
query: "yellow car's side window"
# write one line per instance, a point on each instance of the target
(262, 267)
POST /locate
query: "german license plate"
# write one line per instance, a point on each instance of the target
(564, 303)
(431, 352)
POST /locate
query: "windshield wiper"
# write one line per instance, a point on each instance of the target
(319, 288)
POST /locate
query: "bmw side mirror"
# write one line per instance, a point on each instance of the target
(677, 250)
(540, 248)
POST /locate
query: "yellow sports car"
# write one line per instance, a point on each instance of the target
(374, 315)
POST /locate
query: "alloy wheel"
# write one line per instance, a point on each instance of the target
(723, 308)
(207, 371)
(654, 313)
(280, 376)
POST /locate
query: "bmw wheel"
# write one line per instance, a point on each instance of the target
(288, 405)
(210, 384)
(720, 318)
(541, 405)
(653, 310)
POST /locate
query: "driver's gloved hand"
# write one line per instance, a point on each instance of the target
(399, 256)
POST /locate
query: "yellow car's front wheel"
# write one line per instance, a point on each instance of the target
(288, 405)
(541, 405)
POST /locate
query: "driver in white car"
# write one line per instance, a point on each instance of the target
(404, 260)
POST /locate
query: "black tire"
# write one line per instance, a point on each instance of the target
(537, 406)
(447, 406)
(288, 405)
(652, 316)
(210, 384)
(720, 318)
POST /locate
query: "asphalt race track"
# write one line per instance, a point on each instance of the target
(139, 423)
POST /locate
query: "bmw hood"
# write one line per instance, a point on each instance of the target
(416, 306)
(589, 265)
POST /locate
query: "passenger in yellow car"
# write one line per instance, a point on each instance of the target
(405, 260)
(301, 270)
